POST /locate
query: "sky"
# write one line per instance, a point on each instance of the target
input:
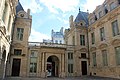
(54, 14)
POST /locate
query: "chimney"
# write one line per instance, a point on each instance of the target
(28, 11)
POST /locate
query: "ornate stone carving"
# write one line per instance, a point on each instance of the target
(92, 48)
(103, 45)
(115, 42)
(83, 50)
(113, 15)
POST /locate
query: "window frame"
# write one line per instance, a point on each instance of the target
(20, 34)
(115, 28)
(104, 57)
(82, 40)
(102, 34)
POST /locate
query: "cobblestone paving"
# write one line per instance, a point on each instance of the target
(67, 78)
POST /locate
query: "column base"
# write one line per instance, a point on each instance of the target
(62, 75)
(43, 74)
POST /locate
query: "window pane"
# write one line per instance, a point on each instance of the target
(31, 67)
(20, 33)
(93, 37)
(104, 55)
(35, 67)
(102, 34)
(71, 68)
(94, 59)
(82, 40)
(117, 49)
(115, 28)
(83, 55)
(17, 51)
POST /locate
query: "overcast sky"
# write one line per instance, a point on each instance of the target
(54, 14)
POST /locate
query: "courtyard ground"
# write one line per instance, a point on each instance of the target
(67, 78)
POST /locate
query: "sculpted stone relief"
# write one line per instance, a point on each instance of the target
(112, 16)
(18, 45)
(92, 49)
(115, 42)
(83, 50)
(103, 45)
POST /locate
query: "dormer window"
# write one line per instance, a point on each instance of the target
(112, 6)
(105, 9)
(100, 14)
(95, 16)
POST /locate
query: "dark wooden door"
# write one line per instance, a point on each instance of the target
(84, 67)
(16, 67)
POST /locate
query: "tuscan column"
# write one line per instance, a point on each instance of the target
(62, 66)
(43, 65)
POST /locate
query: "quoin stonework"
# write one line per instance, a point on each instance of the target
(90, 46)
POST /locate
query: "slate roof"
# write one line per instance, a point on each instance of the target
(82, 16)
(19, 7)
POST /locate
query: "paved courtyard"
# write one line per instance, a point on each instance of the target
(67, 78)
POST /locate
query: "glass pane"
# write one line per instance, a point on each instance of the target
(35, 67)
(117, 55)
(71, 68)
(31, 67)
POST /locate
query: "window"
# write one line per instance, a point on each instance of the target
(56, 41)
(82, 40)
(104, 57)
(83, 55)
(33, 61)
(70, 68)
(70, 55)
(117, 51)
(112, 6)
(102, 34)
(115, 28)
(105, 9)
(20, 33)
(60, 42)
(94, 59)
(17, 51)
(100, 14)
(93, 38)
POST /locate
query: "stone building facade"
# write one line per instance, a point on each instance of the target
(7, 17)
(104, 39)
(92, 46)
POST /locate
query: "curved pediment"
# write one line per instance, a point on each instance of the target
(103, 45)
(93, 48)
(115, 42)
(18, 45)
(83, 50)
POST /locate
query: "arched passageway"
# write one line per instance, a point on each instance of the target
(52, 66)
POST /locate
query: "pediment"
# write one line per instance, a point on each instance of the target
(18, 45)
(83, 50)
(92, 48)
(115, 42)
(103, 45)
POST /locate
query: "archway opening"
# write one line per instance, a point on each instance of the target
(52, 66)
